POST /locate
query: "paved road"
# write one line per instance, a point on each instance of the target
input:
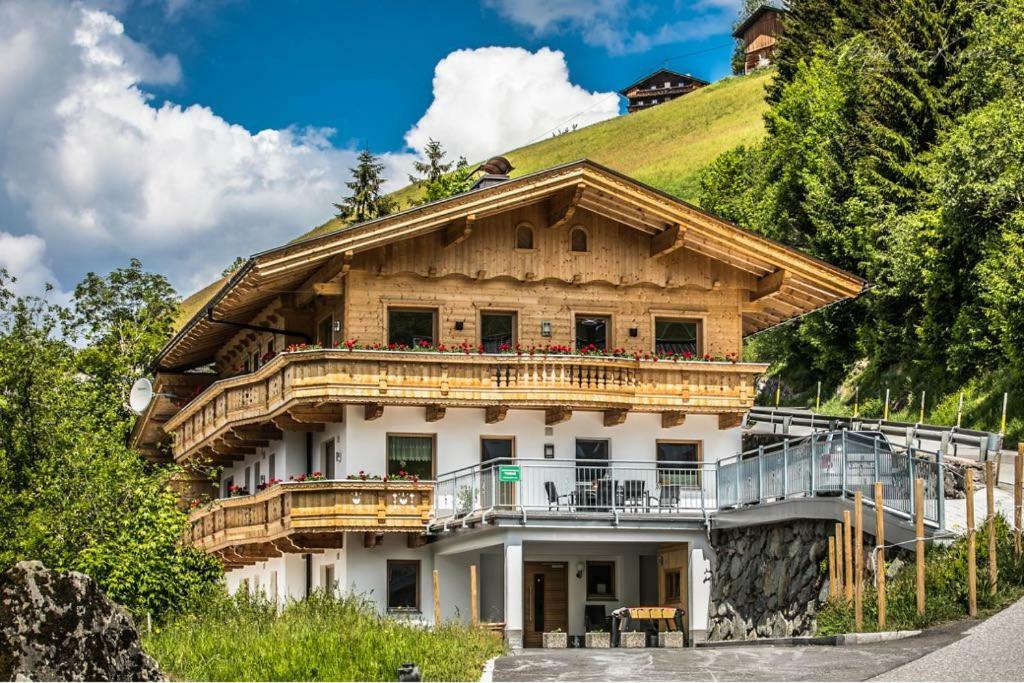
(989, 652)
(824, 663)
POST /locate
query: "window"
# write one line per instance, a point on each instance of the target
(678, 463)
(497, 331)
(325, 332)
(500, 448)
(327, 466)
(592, 331)
(403, 584)
(327, 581)
(256, 471)
(412, 327)
(413, 455)
(578, 239)
(591, 459)
(600, 580)
(675, 335)
(272, 465)
(524, 236)
(254, 360)
(248, 480)
(225, 487)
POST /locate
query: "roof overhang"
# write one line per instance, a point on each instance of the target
(762, 9)
(788, 283)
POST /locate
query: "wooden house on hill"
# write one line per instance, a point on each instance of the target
(661, 86)
(760, 31)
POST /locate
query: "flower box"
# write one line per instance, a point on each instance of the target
(557, 640)
(598, 639)
(671, 639)
(633, 639)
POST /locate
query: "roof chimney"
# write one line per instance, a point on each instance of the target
(495, 171)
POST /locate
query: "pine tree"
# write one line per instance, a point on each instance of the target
(434, 167)
(366, 201)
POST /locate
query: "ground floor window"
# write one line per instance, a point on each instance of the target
(403, 584)
(411, 455)
(600, 580)
(327, 579)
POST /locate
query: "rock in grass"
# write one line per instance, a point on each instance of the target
(60, 626)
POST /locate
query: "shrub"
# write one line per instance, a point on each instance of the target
(320, 638)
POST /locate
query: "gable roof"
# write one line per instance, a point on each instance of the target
(793, 283)
(759, 11)
(658, 73)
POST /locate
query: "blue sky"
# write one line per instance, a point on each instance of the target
(365, 68)
(189, 132)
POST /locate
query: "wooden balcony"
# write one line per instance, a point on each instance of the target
(308, 517)
(303, 390)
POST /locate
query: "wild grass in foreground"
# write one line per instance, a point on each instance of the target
(322, 638)
(945, 586)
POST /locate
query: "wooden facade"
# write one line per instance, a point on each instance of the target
(659, 87)
(760, 33)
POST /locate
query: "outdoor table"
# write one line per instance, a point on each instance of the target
(628, 618)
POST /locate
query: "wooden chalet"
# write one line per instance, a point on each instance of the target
(759, 31)
(659, 87)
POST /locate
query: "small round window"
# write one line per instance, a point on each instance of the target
(524, 237)
(578, 239)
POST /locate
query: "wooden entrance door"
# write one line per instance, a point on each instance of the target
(545, 598)
(673, 576)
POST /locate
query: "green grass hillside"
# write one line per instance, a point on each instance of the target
(667, 146)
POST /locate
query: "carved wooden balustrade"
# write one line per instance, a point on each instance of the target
(301, 387)
(308, 516)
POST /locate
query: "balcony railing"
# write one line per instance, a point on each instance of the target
(297, 514)
(337, 376)
(835, 464)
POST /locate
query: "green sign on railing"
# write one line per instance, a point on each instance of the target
(509, 473)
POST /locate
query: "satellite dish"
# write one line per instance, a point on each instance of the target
(140, 395)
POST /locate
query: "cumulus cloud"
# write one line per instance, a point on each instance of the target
(609, 23)
(24, 258)
(93, 171)
(493, 99)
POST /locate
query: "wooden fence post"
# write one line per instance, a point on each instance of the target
(839, 560)
(847, 558)
(858, 554)
(880, 554)
(972, 570)
(993, 570)
(474, 605)
(919, 540)
(437, 600)
(833, 578)
(1018, 498)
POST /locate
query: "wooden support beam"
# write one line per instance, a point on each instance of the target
(415, 540)
(337, 266)
(672, 418)
(769, 284)
(287, 424)
(667, 241)
(553, 416)
(561, 213)
(458, 230)
(333, 288)
(372, 539)
(615, 417)
(372, 411)
(494, 414)
(729, 420)
(434, 413)
(258, 432)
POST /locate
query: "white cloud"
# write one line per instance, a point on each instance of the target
(24, 258)
(492, 99)
(608, 23)
(93, 171)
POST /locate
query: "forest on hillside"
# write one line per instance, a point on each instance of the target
(894, 149)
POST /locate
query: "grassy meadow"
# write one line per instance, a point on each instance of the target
(320, 639)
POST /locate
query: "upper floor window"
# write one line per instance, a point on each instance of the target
(524, 236)
(578, 240)
(592, 331)
(678, 464)
(676, 335)
(497, 331)
(412, 327)
(325, 332)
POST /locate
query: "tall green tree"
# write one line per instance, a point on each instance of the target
(440, 179)
(367, 201)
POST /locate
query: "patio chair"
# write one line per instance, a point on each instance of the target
(670, 496)
(555, 500)
(635, 496)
